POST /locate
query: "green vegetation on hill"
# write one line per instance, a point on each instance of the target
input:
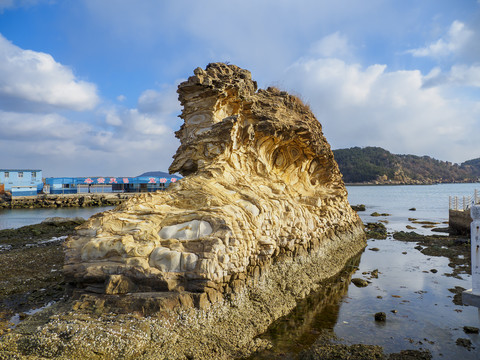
(379, 166)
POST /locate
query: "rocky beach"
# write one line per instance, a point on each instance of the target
(32, 257)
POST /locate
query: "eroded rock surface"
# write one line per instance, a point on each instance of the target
(261, 187)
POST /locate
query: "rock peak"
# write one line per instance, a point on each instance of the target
(261, 186)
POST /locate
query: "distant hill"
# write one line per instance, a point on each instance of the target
(379, 166)
(158, 174)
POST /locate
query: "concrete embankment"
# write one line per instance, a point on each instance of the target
(64, 200)
(459, 222)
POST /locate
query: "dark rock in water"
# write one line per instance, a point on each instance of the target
(325, 350)
(457, 297)
(470, 330)
(376, 231)
(433, 271)
(412, 209)
(425, 222)
(380, 316)
(466, 343)
(411, 355)
(359, 207)
(61, 220)
(460, 241)
(378, 214)
(358, 282)
(442, 230)
(374, 249)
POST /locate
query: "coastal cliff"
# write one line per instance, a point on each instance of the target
(259, 220)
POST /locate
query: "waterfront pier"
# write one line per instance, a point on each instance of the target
(472, 296)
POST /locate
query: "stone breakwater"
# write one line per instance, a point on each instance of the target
(64, 200)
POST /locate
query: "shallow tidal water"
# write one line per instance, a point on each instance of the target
(420, 310)
(429, 201)
(421, 314)
(16, 218)
(419, 307)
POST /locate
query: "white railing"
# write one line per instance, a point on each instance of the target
(463, 203)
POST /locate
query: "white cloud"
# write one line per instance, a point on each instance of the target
(334, 80)
(465, 75)
(112, 118)
(333, 45)
(458, 76)
(372, 106)
(145, 124)
(38, 127)
(31, 80)
(456, 39)
(163, 101)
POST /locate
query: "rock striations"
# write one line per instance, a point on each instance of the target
(261, 187)
(260, 219)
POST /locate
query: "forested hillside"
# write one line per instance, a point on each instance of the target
(377, 165)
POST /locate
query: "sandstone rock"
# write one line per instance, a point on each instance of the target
(119, 284)
(260, 186)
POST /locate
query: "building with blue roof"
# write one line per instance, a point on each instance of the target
(76, 185)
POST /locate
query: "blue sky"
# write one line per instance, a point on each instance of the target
(88, 87)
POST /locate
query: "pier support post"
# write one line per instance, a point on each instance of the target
(472, 296)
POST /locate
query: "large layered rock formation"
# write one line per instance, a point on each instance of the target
(261, 188)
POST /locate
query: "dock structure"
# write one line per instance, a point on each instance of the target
(459, 217)
(463, 204)
(472, 296)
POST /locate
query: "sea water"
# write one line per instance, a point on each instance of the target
(15, 218)
(421, 314)
(431, 203)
